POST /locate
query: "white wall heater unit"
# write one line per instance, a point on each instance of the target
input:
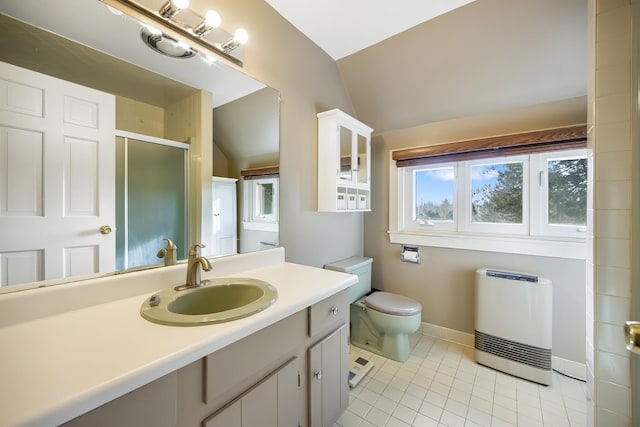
(513, 324)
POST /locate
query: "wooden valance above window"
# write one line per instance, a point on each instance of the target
(257, 173)
(566, 138)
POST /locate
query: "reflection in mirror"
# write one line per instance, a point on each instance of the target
(246, 135)
(345, 154)
(362, 160)
(152, 97)
(151, 184)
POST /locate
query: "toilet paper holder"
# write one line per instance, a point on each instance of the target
(410, 254)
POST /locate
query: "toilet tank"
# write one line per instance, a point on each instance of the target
(360, 266)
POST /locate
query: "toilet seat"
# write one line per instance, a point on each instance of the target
(393, 304)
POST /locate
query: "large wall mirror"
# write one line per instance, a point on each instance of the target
(149, 164)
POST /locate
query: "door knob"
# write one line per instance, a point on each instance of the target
(106, 229)
(317, 374)
(632, 336)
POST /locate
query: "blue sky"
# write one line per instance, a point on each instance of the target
(434, 185)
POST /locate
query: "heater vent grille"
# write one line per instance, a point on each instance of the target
(515, 351)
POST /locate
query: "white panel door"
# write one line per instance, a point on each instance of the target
(57, 178)
(224, 221)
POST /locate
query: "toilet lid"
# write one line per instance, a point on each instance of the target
(392, 304)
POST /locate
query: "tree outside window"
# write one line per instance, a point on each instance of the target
(497, 193)
(567, 191)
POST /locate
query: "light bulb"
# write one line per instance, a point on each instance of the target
(241, 36)
(180, 4)
(211, 21)
(212, 18)
(171, 7)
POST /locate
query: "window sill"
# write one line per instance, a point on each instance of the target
(575, 248)
(260, 226)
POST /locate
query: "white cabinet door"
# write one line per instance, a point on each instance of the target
(328, 378)
(225, 232)
(260, 405)
(273, 402)
(57, 178)
(289, 396)
(231, 416)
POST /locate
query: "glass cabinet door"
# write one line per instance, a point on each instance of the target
(362, 162)
(345, 153)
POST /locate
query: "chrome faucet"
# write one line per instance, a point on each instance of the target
(195, 261)
(168, 253)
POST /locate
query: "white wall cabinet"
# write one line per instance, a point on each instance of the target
(224, 218)
(344, 163)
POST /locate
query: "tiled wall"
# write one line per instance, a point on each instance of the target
(609, 266)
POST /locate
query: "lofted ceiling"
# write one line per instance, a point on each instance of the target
(342, 28)
(412, 62)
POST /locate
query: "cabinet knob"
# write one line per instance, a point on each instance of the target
(334, 311)
(317, 375)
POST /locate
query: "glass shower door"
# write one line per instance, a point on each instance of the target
(151, 201)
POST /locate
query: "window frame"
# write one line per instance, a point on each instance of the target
(409, 186)
(253, 220)
(540, 224)
(536, 240)
(488, 227)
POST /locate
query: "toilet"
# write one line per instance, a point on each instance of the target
(380, 321)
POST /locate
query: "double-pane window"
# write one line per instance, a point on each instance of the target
(435, 195)
(537, 194)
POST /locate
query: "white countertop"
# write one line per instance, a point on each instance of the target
(55, 368)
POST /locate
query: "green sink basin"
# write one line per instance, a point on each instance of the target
(216, 301)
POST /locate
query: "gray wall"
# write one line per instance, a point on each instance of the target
(444, 283)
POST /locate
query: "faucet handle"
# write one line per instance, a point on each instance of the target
(194, 251)
(168, 253)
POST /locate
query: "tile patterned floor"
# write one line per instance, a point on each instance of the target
(441, 385)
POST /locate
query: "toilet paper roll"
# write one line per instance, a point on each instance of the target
(411, 255)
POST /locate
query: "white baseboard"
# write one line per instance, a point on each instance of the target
(447, 334)
(564, 366)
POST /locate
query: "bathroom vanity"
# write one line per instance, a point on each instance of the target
(88, 358)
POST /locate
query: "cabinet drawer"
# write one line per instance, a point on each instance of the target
(329, 313)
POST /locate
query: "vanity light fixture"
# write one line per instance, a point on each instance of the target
(184, 33)
(239, 38)
(171, 7)
(211, 20)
